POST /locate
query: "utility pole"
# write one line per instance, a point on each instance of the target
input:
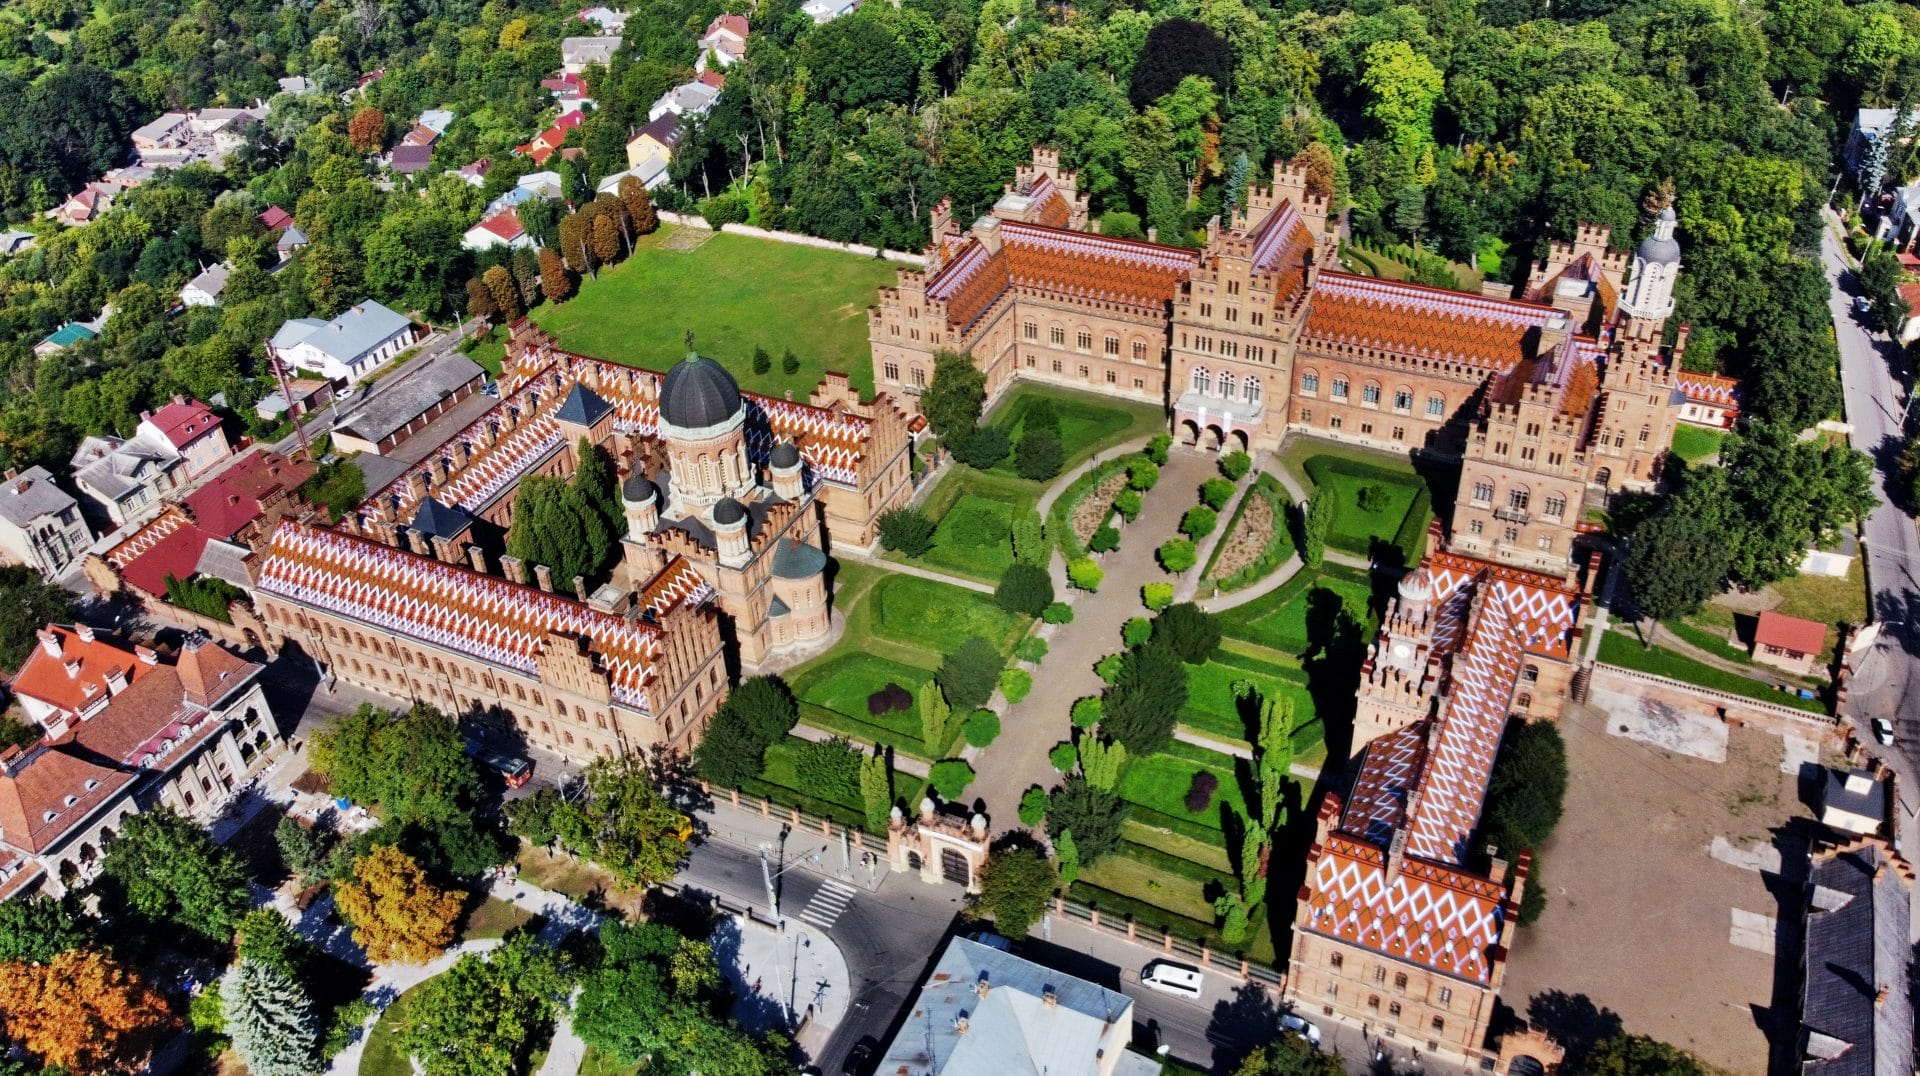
(768, 874)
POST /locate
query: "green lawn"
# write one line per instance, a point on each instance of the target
(843, 682)
(1160, 783)
(1088, 422)
(1356, 528)
(488, 349)
(735, 293)
(941, 616)
(595, 1063)
(384, 1056)
(975, 511)
(1693, 443)
(1620, 647)
(1213, 709)
(494, 918)
(1285, 618)
(1825, 598)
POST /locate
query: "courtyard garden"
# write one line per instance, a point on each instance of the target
(1257, 540)
(735, 293)
(1694, 444)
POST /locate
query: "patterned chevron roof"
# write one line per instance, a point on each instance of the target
(832, 442)
(1061, 264)
(1427, 914)
(496, 621)
(1416, 320)
(1430, 779)
(1710, 389)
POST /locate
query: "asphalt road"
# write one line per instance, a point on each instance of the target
(1887, 679)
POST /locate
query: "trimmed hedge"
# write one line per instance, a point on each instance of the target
(1060, 516)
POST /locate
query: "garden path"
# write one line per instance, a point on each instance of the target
(1030, 728)
(1238, 750)
(1060, 484)
(1203, 555)
(1667, 640)
(914, 569)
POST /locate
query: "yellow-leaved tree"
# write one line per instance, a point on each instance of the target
(83, 1011)
(398, 916)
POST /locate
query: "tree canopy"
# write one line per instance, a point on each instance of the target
(166, 870)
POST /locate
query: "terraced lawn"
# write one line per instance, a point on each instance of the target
(1213, 709)
(844, 681)
(1088, 423)
(1294, 616)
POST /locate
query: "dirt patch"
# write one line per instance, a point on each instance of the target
(1250, 536)
(1092, 510)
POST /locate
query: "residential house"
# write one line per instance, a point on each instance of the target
(205, 136)
(475, 174)
(1854, 801)
(1869, 126)
(41, 525)
(579, 53)
(190, 429)
(821, 11)
(982, 1010)
(205, 289)
(345, 348)
(84, 206)
(398, 407)
(606, 20)
(499, 230)
(276, 218)
(725, 42)
(406, 159)
(309, 393)
(360, 85)
(14, 241)
(298, 85)
(541, 185)
(652, 146)
(1901, 222)
(122, 476)
(290, 240)
(1856, 1005)
(122, 733)
(569, 90)
(434, 122)
(1712, 401)
(547, 142)
(64, 337)
(687, 99)
(651, 174)
(1788, 643)
(1909, 290)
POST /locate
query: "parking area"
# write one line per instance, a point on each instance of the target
(1665, 885)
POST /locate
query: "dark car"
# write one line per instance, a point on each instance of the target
(858, 1059)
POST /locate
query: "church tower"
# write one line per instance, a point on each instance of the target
(1656, 265)
(1400, 679)
(703, 423)
(1639, 406)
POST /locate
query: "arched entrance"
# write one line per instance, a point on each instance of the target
(1189, 433)
(1237, 442)
(953, 867)
(1215, 438)
(1526, 1065)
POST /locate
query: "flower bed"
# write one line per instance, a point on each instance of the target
(1257, 541)
(1089, 497)
(1095, 507)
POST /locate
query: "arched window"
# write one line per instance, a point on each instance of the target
(1645, 432)
(1482, 492)
(1202, 383)
(1083, 340)
(1310, 382)
(1556, 506)
(1139, 350)
(1523, 702)
(1112, 344)
(1339, 388)
(1531, 674)
(1252, 391)
(1436, 406)
(1603, 476)
(1030, 331)
(1226, 385)
(1370, 394)
(1403, 400)
(1056, 336)
(1517, 498)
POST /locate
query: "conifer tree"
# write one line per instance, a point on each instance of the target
(934, 716)
(1068, 855)
(876, 791)
(554, 281)
(270, 1019)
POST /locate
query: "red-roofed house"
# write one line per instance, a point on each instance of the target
(725, 42)
(191, 428)
(275, 218)
(122, 732)
(1788, 643)
(1713, 401)
(500, 230)
(546, 142)
(712, 78)
(1910, 328)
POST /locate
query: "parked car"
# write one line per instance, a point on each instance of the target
(1883, 731)
(1862, 305)
(1171, 978)
(1302, 1027)
(991, 940)
(858, 1059)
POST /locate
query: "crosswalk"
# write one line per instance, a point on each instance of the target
(828, 902)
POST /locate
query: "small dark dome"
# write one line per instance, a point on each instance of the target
(698, 392)
(638, 488)
(728, 512)
(784, 455)
(1661, 248)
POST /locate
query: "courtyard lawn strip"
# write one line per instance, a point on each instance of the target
(1159, 782)
(1282, 619)
(1120, 886)
(974, 513)
(1694, 443)
(1088, 422)
(1356, 529)
(734, 293)
(1620, 647)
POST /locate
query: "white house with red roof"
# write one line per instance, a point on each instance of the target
(502, 229)
(724, 43)
(121, 477)
(122, 732)
(190, 429)
(1789, 643)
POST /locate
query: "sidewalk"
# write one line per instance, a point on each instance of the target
(913, 569)
(745, 828)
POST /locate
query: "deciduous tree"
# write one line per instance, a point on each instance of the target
(83, 1011)
(36, 929)
(367, 130)
(952, 402)
(398, 916)
(555, 282)
(1016, 884)
(167, 870)
(487, 1014)
(505, 293)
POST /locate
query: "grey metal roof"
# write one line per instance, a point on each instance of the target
(1013, 1030)
(437, 520)
(212, 280)
(784, 455)
(777, 608)
(1661, 248)
(582, 407)
(728, 512)
(113, 467)
(31, 495)
(225, 561)
(1856, 1010)
(291, 238)
(1871, 803)
(698, 392)
(638, 488)
(397, 400)
(347, 337)
(797, 560)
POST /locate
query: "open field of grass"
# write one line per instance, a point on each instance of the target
(1620, 647)
(1828, 599)
(1693, 443)
(1356, 527)
(735, 293)
(1161, 782)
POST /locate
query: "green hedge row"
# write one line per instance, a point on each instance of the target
(1059, 518)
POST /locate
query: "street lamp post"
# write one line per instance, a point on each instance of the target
(768, 874)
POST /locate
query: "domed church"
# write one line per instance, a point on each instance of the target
(752, 533)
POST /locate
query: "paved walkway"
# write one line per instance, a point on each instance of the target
(1030, 728)
(1238, 750)
(1060, 484)
(1203, 552)
(913, 569)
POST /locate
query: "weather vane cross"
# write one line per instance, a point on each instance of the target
(689, 340)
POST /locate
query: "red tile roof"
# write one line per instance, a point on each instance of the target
(1790, 633)
(171, 543)
(46, 677)
(1420, 321)
(713, 78)
(35, 786)
(734, 24)
(1062, 265)
(505, 224)
(275, 218)
(184, 421)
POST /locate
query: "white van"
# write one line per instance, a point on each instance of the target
(1173, 978)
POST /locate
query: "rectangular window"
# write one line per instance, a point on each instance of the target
(1370, 395)
(1400, 981)
(1083, 372)
(1366, 429)
(1446, 996)
(1139, 382)
(1056, 366)
(1436, 406)
(1399, 433)
(1083, 340)
(893, 371)
(1110, 377)
(1112, 345)
(1334, 422)
(1030, 331)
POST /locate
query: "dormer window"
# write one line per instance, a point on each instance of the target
(71, 800)
(92, 783)
(49, 816)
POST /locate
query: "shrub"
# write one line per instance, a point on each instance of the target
(789, 362)
(1032, 650)
(1104, 540)
(950, 777)
(1187, 630)
(1157, 447)
(1176, 555)
(889, 699)
(724, 209)
(762, 362)
(1033, 805)
(982, 448)
(1235, 465)
(1040, 456)
(1143, 474)
(1215, 493)
(1030, 545)
(1086, 712)
(906, 530)
(1122, 225)
(981, 727)
(1200, 792)
(968, 674)
(1372, 498)
(1015, 683)
(1042, 416)
(1084, 574)
(828, 768)
(1156, 596)
(1199, 522)
(1136, 631)
(1110, 667)
(1058, 613)
(1025, 588)
(1063, 756)
(1128, 504)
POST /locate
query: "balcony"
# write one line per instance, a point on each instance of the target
(1512, 515)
